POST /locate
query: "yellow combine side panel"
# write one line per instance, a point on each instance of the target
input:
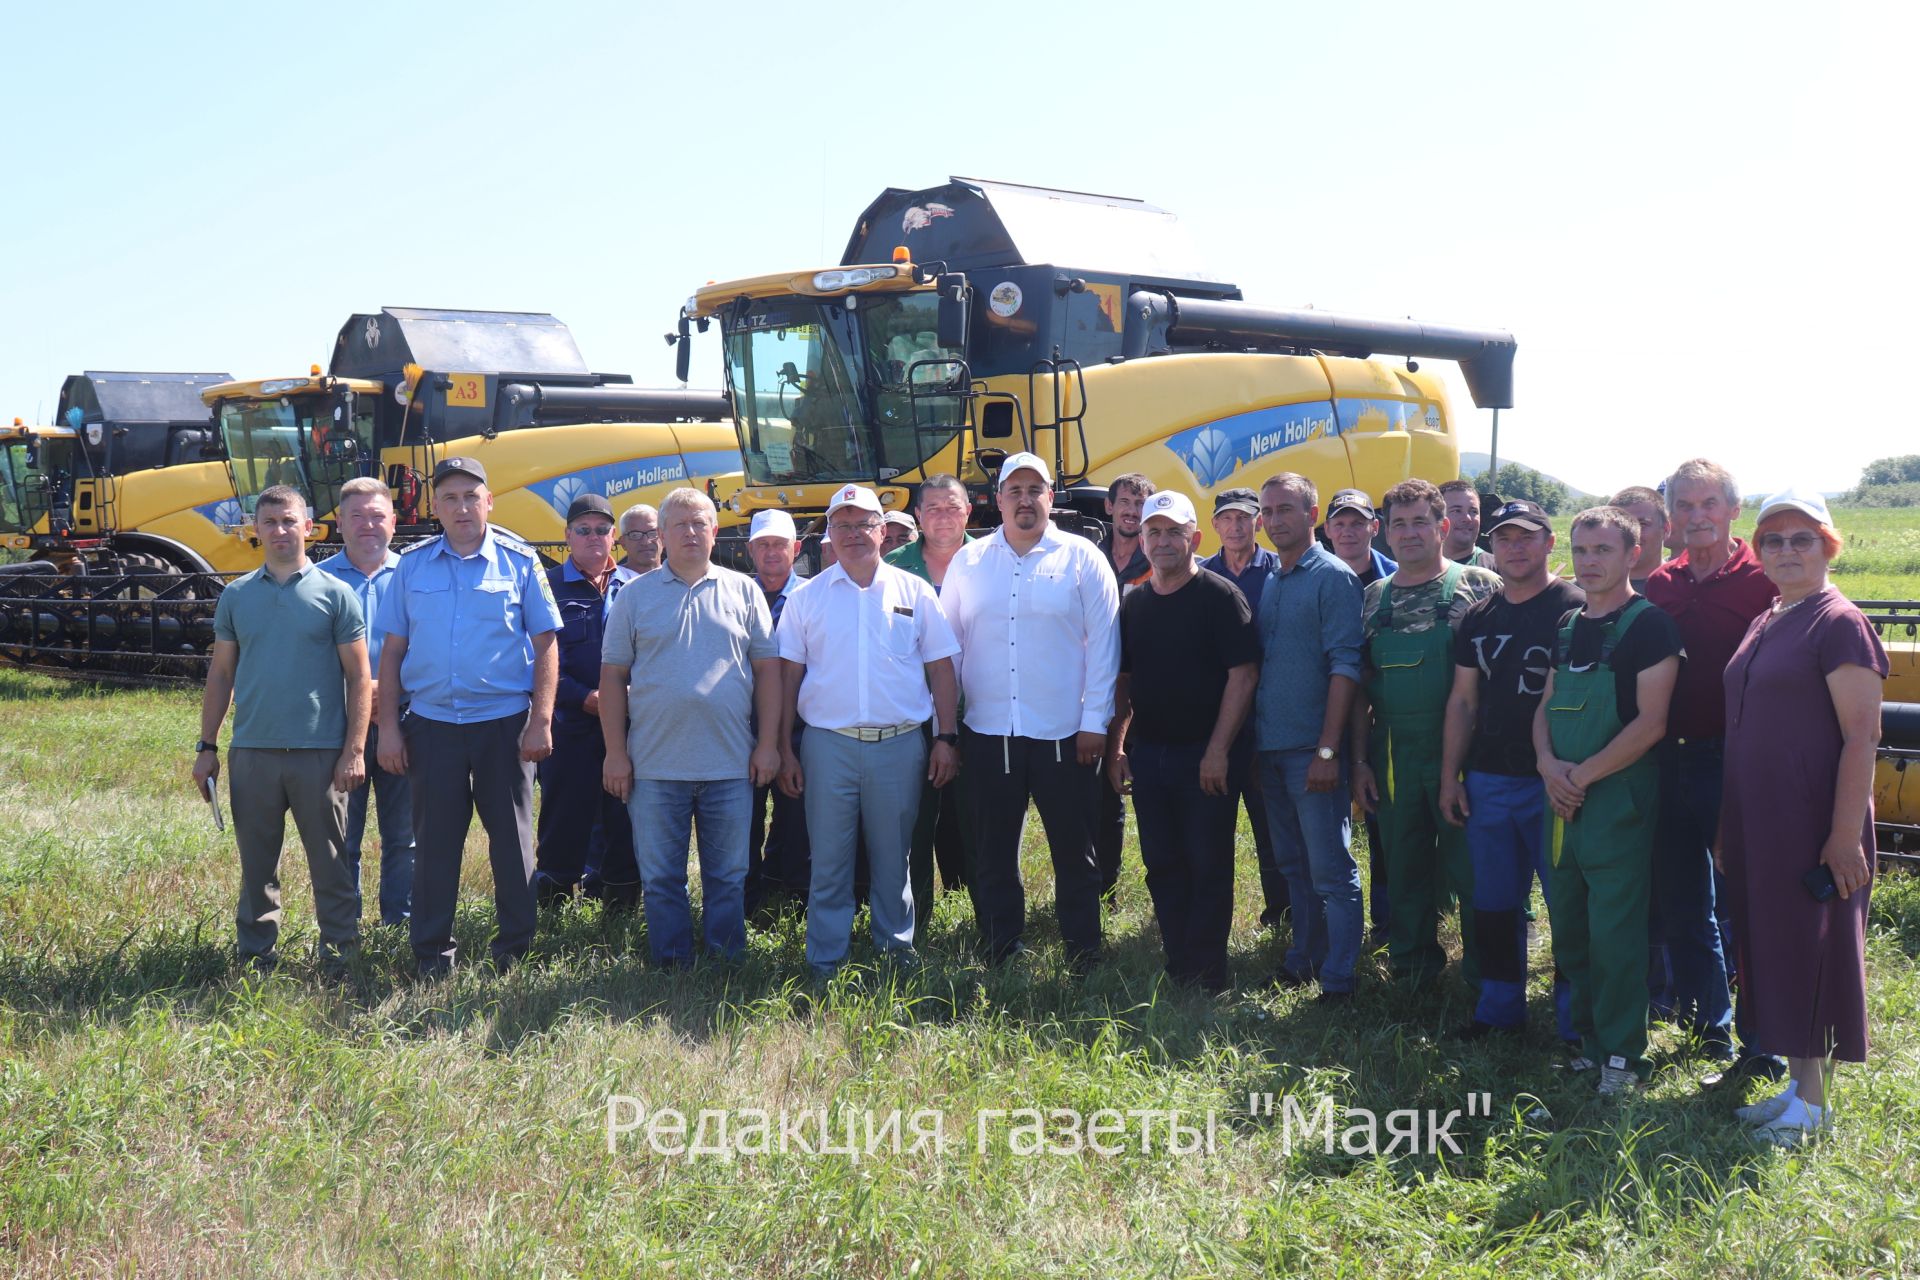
(1896, 792)
(1201, 423)
(535, 474)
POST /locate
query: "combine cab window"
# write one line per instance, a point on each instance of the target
(798, 400)
(316, 443)
(907, 369)
(263, 447)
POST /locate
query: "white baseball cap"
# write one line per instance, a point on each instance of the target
(1171, 505)
(902, 519)
(772, 524)
(856, 496)
(1024, 462)
(1807, 502)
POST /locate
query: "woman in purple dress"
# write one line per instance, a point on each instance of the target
(1803, 718)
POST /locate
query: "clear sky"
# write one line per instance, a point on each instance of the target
(1690, 215)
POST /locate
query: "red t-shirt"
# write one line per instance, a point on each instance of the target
(1714, 615)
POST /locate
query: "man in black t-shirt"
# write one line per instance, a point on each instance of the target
(1502, 651)
(1189, 661)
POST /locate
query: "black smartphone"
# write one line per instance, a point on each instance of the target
(1819, 883)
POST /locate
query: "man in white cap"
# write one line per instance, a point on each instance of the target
(898, 531)
(867, 659)
(1188, 635)
(778, 863)
(1037, 614)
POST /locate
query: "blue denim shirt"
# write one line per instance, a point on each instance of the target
(469, 623)
(1309, 632)
(370, 592)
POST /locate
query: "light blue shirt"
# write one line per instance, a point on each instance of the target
(1309, 632)
(469, 624)
(369, 591)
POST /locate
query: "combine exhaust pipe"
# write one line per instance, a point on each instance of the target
(1159, 321)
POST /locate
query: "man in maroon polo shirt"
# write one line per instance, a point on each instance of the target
(1714, 589)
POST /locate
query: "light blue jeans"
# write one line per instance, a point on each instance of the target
(1312, 833)
(854, 787)
(665, 816)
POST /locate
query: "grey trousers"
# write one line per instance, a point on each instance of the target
(456, 770)
(263, 786)
(855, 788)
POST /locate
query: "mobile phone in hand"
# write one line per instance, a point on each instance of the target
(1819, 883)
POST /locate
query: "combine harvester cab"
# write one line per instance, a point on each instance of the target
(409, 386)
(972, 320)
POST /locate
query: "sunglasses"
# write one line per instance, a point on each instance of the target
(1802, 542)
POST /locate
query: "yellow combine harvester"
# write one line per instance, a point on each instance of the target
(405, 388)
(971, 320)
(409, 386)
(1896, 782)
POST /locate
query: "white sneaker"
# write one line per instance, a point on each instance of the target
(1797, 1122)
(1615, 1081)
(1768, 1109)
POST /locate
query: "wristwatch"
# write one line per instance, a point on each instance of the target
(951, 739)
(1325, 753)
(204, 745)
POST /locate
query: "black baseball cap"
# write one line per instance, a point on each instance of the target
(1236, 500)
(589, 504)
(1350, 500)
(469, 467)
(1528, 515)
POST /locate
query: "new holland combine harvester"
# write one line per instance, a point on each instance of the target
(405, 388)
(968, 321)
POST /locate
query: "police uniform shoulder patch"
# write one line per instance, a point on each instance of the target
(423, 544)
(508, 538)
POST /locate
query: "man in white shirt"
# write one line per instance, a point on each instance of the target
(867, 657)
(1037, 614)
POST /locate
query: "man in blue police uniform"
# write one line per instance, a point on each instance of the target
(1242, 561)
(572, 801)
(367, 564)
(469, 625)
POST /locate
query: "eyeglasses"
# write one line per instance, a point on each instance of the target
(592, 531)
(1803, 541)
(641, 535)
(842, 530)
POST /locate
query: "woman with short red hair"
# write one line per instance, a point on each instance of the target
(1796, 824)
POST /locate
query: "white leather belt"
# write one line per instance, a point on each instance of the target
(867, 733)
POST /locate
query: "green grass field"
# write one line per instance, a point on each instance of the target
(161, 1114)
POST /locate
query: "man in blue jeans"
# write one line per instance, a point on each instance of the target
(1310, 636)
(1188, 662)
(367, 564)
(1502, 653)
(688, 664)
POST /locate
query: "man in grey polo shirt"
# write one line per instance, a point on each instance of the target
(688, 664)
(290, 653)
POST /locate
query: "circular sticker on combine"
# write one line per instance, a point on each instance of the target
(1005, 298)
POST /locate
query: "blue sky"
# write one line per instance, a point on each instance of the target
(1694, 218)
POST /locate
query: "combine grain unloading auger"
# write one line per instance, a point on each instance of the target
(405, 387)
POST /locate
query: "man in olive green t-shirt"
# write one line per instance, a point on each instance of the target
(290, 652)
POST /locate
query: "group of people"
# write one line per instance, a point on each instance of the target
(1626, 736)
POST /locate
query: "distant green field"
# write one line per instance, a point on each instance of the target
(1881, 560)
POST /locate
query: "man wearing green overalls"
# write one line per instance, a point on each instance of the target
(1605, 708)
(1397, 729)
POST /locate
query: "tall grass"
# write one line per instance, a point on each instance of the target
(164, 1114)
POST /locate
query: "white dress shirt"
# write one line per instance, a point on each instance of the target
(1039, 635)
(865, 648)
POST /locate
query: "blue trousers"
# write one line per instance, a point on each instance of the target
(1186, 845)
(1682, 916)
(573, 804)
(855, 788)
(666, 814)
(1506, 834)
(395, 797)
(1313, 846)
